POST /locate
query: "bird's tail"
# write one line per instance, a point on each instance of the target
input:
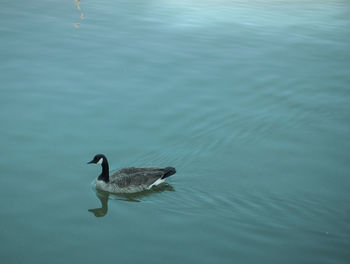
(168, 171)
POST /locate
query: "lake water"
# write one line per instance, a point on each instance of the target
(249, 100)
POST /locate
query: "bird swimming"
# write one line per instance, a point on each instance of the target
(129, 180)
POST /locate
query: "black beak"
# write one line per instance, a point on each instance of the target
(90, 162)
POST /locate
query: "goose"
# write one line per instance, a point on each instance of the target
(129, 180)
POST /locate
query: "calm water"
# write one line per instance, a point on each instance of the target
(248, 100)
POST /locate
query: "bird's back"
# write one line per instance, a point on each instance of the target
(130, 180)
(136, 176)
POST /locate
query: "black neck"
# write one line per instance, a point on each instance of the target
(104, 176)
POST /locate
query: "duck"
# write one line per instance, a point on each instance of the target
(131, 179)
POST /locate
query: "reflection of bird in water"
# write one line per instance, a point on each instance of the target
(103, 196)
(129, 180)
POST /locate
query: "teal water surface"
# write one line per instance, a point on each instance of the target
(248, 100)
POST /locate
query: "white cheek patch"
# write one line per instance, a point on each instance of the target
(100, 161)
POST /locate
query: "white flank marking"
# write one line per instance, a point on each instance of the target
(157, 182)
